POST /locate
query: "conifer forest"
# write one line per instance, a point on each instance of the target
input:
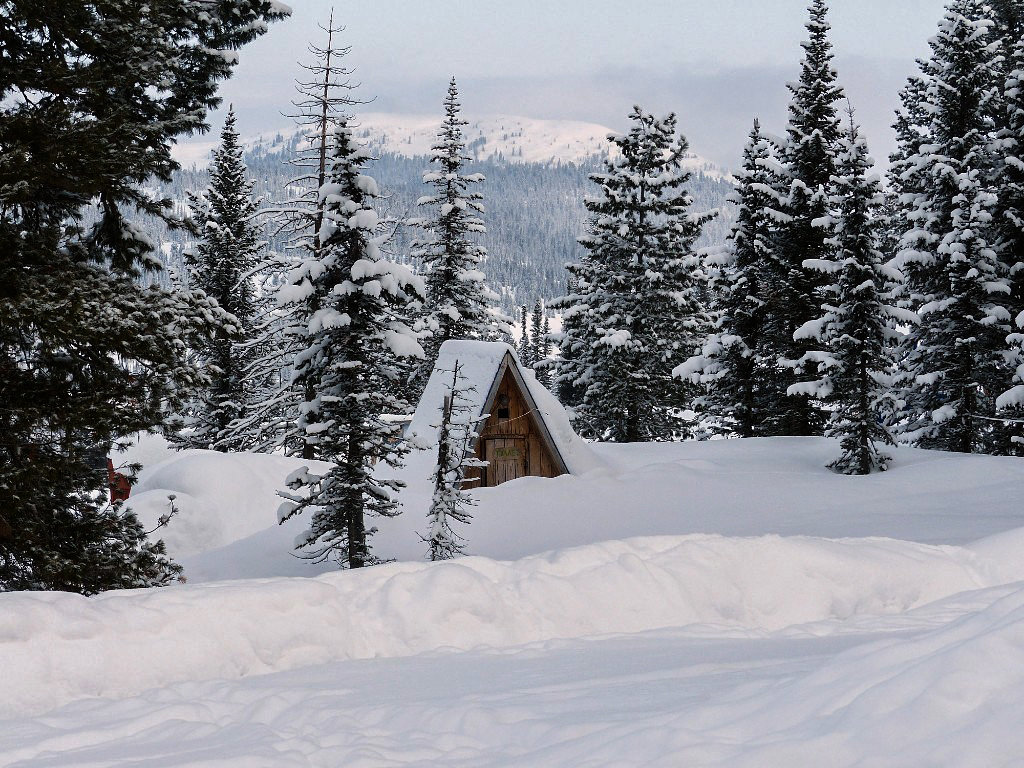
(581, 405)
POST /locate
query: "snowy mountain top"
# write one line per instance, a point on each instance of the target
(511, 138)
(515, 139)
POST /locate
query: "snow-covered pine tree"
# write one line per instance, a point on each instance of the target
(222, 266)
(907, 177)
(857, 333)
(458, 303)
(955, 362)
(544, 364)
(740, 377)
(91, 97)
(451, 502)
(353, 305)
(538, 351)
(323, 97)
(567, 365)
(812, 137)
(1008, 16)
(643, 308)
(1010, 157)
(525, 347)
(1009, 213)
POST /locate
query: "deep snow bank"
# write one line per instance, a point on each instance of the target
(949, 696)
(227, 526)
(220, 497)
(57, 647)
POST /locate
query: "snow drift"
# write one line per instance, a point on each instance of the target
(220, 497)
(56, 647)
(952, 695)
(227, 527)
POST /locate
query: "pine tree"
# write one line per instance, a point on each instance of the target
(544, 365)
(91, 98)
(1010, 171)
(741, 376)
(567, 367)
(857, 333)
(643, 310)
(323, 97)
(955, 361)
(537, 350)
(451, 502)
(812, 134)
(353, 304)
(1009, 217)
(525, 345)
(222, 266)
(1008, 16)
(906, 175)
(458, 301)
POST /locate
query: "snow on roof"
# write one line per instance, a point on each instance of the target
(480, 362)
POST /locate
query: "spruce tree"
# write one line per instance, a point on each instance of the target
(353, 304)
(857, 333)
(537, 349)
(525, 345)
(812, 137)
(906, 175)
(544, 365)
(643, 310)
(323, 97)
(458, 301)
(450, 502)
(1009, 175)
(92, 95)
(955, 361)
(567, 369)
(222, 266)
(736, 368)
(1008, 16)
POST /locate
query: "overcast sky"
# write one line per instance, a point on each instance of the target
(716, 63)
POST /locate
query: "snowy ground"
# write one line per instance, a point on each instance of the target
(769, 614)
(227, 525)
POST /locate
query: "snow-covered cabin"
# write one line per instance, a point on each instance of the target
(523, 430)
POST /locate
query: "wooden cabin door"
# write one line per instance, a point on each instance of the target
(507, 459)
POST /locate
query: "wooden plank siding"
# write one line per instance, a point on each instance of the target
(510, 439)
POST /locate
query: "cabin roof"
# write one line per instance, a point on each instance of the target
(484, 364)
(511, 366)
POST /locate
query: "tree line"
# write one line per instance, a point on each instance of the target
(839, 307)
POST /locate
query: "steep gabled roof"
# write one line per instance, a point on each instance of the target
(483, 365)
(511, 365)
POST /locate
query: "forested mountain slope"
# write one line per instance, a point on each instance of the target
(534, 206)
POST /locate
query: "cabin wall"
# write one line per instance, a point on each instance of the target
(512, 431)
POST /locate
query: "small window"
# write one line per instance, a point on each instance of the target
(503, 406)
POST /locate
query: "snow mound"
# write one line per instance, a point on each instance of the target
(55, 647)
(950, 696)
(227, 528)
(220, 497)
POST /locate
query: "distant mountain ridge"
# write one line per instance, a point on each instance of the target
(501, 138)
(537, 176)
